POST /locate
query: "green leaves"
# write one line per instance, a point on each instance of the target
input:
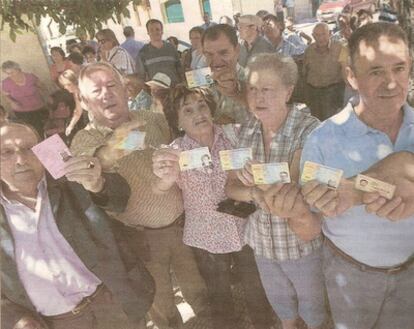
(83, 15)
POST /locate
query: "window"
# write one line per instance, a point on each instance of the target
(205, 4)
(174, 11)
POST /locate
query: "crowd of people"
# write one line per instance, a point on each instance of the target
(104, 246)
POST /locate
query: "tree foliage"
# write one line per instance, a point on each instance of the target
(83, 15)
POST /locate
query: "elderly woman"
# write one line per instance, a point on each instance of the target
(69, 81)
(60, 63)
(283, 232)
(111, 52)
(23, 91)
(215, 237)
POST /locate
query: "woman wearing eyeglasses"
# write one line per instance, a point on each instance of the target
(111, 52)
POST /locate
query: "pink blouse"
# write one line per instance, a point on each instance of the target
(203, 189)
(27, 96)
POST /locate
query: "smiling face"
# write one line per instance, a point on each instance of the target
(106, 98)
(20, 168)
(381, 74)
(267, 95)
(155, 31)
(194, 116)
(220, 53)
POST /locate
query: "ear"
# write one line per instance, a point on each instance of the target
(83, 99)
(350, 76)
(289, 93)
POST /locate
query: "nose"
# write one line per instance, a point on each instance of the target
(106, 93)
(21, 158)
(390, 81)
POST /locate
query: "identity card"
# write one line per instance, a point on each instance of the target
(134, 141)
(270, 173)
(53, 153)
(323, 174)
(235, 159)
(199, 77)
(195, 158)
(369, 184)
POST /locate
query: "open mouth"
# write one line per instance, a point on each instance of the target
(200, 122)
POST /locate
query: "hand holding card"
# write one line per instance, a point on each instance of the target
(195, 159)
(53, 153)
(323, 174)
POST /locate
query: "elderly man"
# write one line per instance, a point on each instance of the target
(252, 43)
(158, 56)
(160, 217)
(58, 253)
(323, 73)
(368, 251)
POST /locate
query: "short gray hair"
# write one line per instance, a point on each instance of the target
(10, 65)
(87, 70)
(283, 67)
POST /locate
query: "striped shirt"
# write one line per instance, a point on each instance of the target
(270, 236)
(144, 208)
(152, 60)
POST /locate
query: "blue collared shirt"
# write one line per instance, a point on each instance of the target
(132, 46)
(346, 142)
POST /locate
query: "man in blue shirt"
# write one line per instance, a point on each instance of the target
(368, 251)
(131, 45)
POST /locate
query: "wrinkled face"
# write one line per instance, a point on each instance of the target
(155, 31)
(247, 31)
(266, 95)
(56, 56)
(381, 74)
(220, 53)
(20, 168)
(194, 116)
(106, 98)
(272, 30)
(195, 39)
(321, 35)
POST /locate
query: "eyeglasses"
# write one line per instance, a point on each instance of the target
(102, 41)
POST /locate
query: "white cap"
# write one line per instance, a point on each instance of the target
(161, 80)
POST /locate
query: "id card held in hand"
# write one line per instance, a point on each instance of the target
(194, 159)
(53, 153)
(235, 159)
(369, 184)
(322, 174)
(199, 78)
(134, 141)
(270, 173)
